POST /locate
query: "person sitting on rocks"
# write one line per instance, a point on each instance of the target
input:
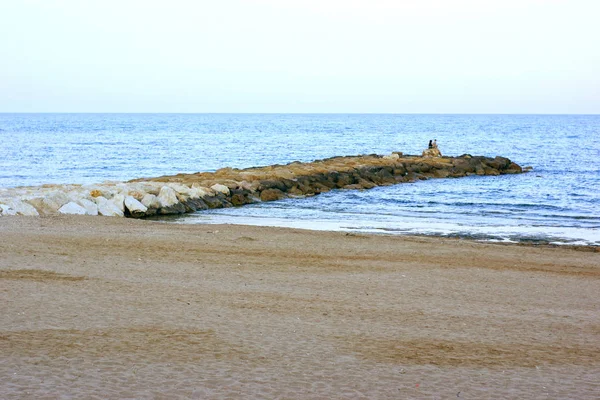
(433, 150)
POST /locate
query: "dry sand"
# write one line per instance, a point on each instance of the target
(115, 308)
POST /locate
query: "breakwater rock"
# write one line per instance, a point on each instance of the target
(229, 187)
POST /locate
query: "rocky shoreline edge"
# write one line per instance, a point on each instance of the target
(229, 187)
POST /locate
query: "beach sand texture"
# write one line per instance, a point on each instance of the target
(118, 308)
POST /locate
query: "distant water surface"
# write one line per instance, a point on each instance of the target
(558, 202)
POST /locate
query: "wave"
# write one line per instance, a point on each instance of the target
(428, 227)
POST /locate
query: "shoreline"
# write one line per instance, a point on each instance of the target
(118, 307)
(329, 226)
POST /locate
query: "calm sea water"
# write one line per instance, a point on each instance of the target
(558, 202)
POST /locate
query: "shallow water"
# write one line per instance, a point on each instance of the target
(558, 202)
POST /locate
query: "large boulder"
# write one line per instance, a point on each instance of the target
(23, 208)
(271, 195)
(270, 184)
(169, 203)
(385, 176)
(18, 207)
(433, 152)
(5, 209)
(90, 207)
(72, 208)
(238, 197)
(200, 191)
(48, 203)
(214, 201)
(119, 201)
(56, 199)
(167, 196)
(136, 209)
(498, 163)
(441, 173)
(462, 166)
(221, 189)
(177, 208)
(151, 203)
(344, 179)
(194, 204)
(491, 171)
(107, 208)
(39, 205)
(181, 189)
(513, 169)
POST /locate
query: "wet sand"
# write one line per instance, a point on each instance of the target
(117, 308)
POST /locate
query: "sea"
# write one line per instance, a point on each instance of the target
(557, 202)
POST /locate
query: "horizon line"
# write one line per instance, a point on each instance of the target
(292, 113)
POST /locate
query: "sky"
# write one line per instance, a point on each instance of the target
(298, 56)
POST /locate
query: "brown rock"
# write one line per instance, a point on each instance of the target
(491, 171)
(272, 184)
(295, 191)
(441, 173)
(271, 195)
(344, 179)
(363, 183)
(177, 208)
(213, 201)
(434, 152)
(238, 199)
(513, 169)
(135, 194)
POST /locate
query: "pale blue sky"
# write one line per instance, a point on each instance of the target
(425, 56)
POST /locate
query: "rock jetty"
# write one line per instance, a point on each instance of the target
(229, 187)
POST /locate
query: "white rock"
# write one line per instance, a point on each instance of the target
(39, 204)
(100, 200)
(167, 196)
(119, 201)
(23, 208)
(72, 208)
(90, 207)
(55, 200)
(107, 208)
(151, 187)
(180, 188)
(194, 193)
(5, 209)
(220, 188)
(76, 195)
(151, 201)
(201, 191)
(135, 207)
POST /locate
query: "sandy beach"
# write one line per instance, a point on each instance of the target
(98, 307)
